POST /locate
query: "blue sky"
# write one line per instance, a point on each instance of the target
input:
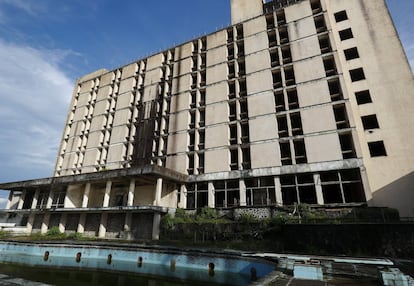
(46, 44)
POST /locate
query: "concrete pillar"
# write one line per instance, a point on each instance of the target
(158, 191)
(365, 184)
(131, 192)
(30, 222)
(156, 226)
(81, 223)
(45, 223)
(183, 197)
(102, 225)
(21, 200)
(107, 194)
(9, 201)
(62, 223)
(278, 192)
(86, 192)
(318, 188)
(242, 193)
(49, 199)
(211, 195)
(35, 199)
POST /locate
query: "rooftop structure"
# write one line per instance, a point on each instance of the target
(299, 101)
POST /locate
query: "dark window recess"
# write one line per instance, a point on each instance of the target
(281, 18)
(232, 90)
(346, 34)
(325, 44)
(230, 37)
(341, 117)
(244, 112)
(370, 122)
(286, 55)
(300, 151)
(233, 134)
(246, 158)
(357, 74)
(244, 132)
(280, 101)
(283, 35)
(377, 149)
(190, 169)
(239, 30)
(232, 111)
(290, 76)
(230, 51)
(296, 124)
(282, 126)
(293, 101)
(347, 145)
(285, 154)
(270, 21)
(330, 67)
(232, 71)
(320, 24)
(242, 87)
(234, 157)
(274, 58)
(316, 6)
(335, 89)
(351, 54)
(341, 16)
(272, 39)
(363, 97)
(277, 79)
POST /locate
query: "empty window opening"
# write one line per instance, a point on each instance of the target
(190, 169)
(226, 193)
(346, 34)
(191, 141)
(347, 146)
(340, 16)
(232, 111)
(270, 21)
(232, 90)
(281, 18)
(232, 71)
(274, 58)
(243, 110)
(363, 97)
(280, 101)
(285, 153)
(193, 99)
(293, 101)
(296, 124)
(320, 24)
(325, 44)
(200, 168)
(239, 30)
(242, 68)
(335, 89)
(230, 52)
(330, 67)
(357, 74)
(202, 120)
(341, 117)
(233, 134)
(230, 35)
(377, 149)
(202, 97)
(351, 54)
(277, 79)
(242, 88)
(260, 191)
(289, 189)
(282, 126)
(195, 47)
(245, 133)
(352, 186)
(192, 120)
(240, 49)
(201, 139)
(234, 159)
(300, 151)
(272, 39)
(203, 78)
(283, 35)
(316, 6)
(369, 122)
(290, 76)
(246, 164)
(286, 55)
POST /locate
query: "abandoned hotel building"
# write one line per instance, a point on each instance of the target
(298, 101)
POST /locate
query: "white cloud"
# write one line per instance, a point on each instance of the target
(34, 95)
(33, 8)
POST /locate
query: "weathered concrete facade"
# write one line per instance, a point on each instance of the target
(305, 101)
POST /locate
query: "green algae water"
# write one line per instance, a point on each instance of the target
(71, 277)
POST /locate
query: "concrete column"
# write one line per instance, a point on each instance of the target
(102, 225)
(9, 201)
(62, 223)
(318, 188)
(30, 222)
(183, 197)
(278, 192)
(107, 194)
(35, 199)
(158, 191)
(242, 193)
(156, 226)
(211, 195)
(365, 184)
(81, 223)
(49, 199)
(21, 200)
(86, 192)
(45, 223)
(131, 193)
